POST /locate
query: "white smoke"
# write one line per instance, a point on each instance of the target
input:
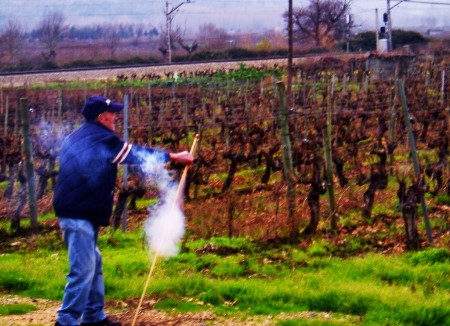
(164, 227)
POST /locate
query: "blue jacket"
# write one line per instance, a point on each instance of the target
(88, 171)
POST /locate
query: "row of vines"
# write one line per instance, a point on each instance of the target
(236, 186)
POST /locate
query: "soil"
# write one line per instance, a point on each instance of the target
(112, 73)
(45, 315)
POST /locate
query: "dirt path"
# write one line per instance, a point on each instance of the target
(45, 315)
(112, 72)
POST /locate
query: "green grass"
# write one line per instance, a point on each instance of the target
(3, 185)
(237, 277)
(16, 309)
(442, 199)
(145, 202)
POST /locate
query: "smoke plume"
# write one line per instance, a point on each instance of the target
(164, 227)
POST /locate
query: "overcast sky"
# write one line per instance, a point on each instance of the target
(240, 15)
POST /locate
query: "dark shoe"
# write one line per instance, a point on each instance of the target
(104, 322)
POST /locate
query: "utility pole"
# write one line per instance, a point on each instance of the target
(377, 32)
(389, 25)
(169, 18)
(290, 54)
(388, 20)
(348, 25)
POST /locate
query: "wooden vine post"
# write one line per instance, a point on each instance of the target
(293, 222)
(125, 167)
(130, 96)
(16, 123)
(261, 87)
(162, 108)
(60, 105)
(150, 114)
(391, 127)
(29, 164)
(412, 147)
(329, 159)
(186, 109)
(217, 105)
(5, 127)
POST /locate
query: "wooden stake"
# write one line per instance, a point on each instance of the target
(177, 201)
(27, 146)
(412, 147)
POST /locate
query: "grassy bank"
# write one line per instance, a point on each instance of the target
(240, 278)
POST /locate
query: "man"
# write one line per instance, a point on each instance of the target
(83, 202)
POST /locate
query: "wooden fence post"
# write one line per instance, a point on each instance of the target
(29, 164)
(412, 146)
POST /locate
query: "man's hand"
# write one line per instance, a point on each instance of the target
(182, 157)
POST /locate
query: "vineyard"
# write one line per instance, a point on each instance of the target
(330, 157)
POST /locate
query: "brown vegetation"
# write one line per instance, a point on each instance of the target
(235, 188)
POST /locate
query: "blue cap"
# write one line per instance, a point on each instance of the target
(96, 105)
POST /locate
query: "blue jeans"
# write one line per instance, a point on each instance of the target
(84, 292)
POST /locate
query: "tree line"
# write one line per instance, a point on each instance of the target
(321, 25)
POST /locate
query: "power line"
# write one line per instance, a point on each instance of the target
(429, 2)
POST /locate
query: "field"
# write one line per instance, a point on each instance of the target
(347, 188)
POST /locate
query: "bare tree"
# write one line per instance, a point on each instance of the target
(51, 31)
(11, 40)
(210, 36)
(276, 38)
(112, 39)
(175, 38)
(320, 21)
(189, 47)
